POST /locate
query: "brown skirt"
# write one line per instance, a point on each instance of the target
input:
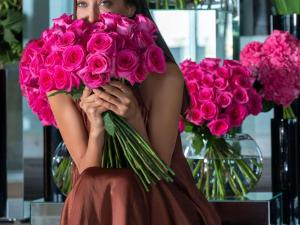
(116, 197)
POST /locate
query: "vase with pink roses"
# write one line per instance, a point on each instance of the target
(224, 163)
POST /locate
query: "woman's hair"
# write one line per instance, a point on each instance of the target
(142, 8)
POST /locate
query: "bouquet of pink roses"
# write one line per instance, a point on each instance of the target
(276, 66)
(221, 98)
(74, 54)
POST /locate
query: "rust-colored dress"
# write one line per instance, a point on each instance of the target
(102, 196)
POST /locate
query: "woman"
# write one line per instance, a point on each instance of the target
(102, 196)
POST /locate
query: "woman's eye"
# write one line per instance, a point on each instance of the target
(81, 4)
(105, 3)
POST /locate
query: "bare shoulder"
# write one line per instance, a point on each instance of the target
(163, 84)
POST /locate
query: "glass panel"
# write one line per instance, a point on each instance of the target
(196, 34)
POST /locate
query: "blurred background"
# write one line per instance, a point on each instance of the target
(191, 34)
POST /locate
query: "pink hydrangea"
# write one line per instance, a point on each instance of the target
(275, 63)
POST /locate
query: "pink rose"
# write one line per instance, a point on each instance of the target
(79, 27)
(53, 59)
(63, 20)
(145, 24)
(74, 82)
(67, 39)
(110, 20)
(196, 74)
(223, 72)
(237, 114)
(221, 83)
(139, 76)
(99, 63)
(99, 26)
(46, 81)
(242, 81)
(73, 57)
(210, 64)
(126, 27)
(194, 116)
(34, 100)
(231, 64)
(127, 63)
(181, 125)
(186, 66)
(61, 78)
(224, 99)
(101, 42)
(193, 87)
(95, 80)
(35, 65)
(46, 116)
(154, 59)
(240, 95)
(194, 101)
(208, 110)
(207, 81)
(206, 94)
(27, 79)
(143, 39)
(47, 35)
(218, 127)
(255, 105)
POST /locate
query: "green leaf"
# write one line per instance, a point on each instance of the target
(198, 143)
(267, 106)
(109, 124)
(9, 36)
(58, 92)
(188, 127)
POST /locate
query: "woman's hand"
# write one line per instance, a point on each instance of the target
(93, 106)
(120, 99)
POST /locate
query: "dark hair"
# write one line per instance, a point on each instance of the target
(142, 8)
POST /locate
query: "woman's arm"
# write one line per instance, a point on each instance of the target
(85, 149)
(166, 93)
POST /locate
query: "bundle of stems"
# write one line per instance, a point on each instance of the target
(62, 175)
(124, 147)
(288, 113)
(223, 171)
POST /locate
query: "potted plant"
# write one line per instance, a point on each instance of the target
(285, 7)
(10, 51)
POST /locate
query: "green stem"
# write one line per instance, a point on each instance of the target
(143, 143)
(131, 164)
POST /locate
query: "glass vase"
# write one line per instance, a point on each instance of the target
(229, 166)
(62, 168)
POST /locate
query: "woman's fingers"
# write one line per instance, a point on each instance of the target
(123, 87)
(86, 92)
(107, 97)
(114, 91)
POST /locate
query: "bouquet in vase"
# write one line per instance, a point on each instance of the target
(222, 96)
(74, 54)
(275, 64)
